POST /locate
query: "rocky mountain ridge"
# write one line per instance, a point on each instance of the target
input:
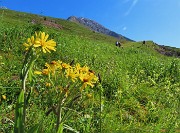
(92, 25)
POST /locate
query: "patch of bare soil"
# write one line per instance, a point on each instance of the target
(52, 23)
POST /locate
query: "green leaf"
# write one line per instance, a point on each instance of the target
(31, 74)
(70, 128)
(60, 129)
(19, 116)
(34, 129)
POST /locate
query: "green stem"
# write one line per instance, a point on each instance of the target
(58, 117)
(24, 80)
(59, 113)
(24, 89)
(25, 71)
(100, 108)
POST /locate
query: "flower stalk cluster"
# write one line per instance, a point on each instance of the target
(75, 73)
(62, 77)
(34, 45)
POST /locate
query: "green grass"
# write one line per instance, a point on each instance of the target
(140, 87)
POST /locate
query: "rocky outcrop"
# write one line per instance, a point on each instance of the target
(168, 51)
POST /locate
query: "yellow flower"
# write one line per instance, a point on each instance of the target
(81, 70)
(30, 42)
(50, 68)
(37, 72)
(89, 95)
(4, 97)
(78, 67)
(87, 79)
(41, 41)
(48, 84)
(65, 65)
(85, 69)
(53, 66)
(71, 73)
(45, 71)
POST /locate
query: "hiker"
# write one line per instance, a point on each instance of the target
(118, 44)
(144, 42)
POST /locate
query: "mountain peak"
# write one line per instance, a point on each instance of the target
(93, 25)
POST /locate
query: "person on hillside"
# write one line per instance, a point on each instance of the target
(118, 44)
(144, 42)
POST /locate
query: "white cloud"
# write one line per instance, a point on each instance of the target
(124, 28)
(134, 2)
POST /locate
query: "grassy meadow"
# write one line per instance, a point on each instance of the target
(137, 91)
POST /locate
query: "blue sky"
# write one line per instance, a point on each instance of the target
(157, 20)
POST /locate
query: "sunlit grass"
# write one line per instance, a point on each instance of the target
(139, 89)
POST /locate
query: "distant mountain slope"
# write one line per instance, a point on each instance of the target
(12, 18)
(91, 24)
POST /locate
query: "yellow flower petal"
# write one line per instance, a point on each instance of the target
(37, 72)
(4, 97)
(48, 84)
